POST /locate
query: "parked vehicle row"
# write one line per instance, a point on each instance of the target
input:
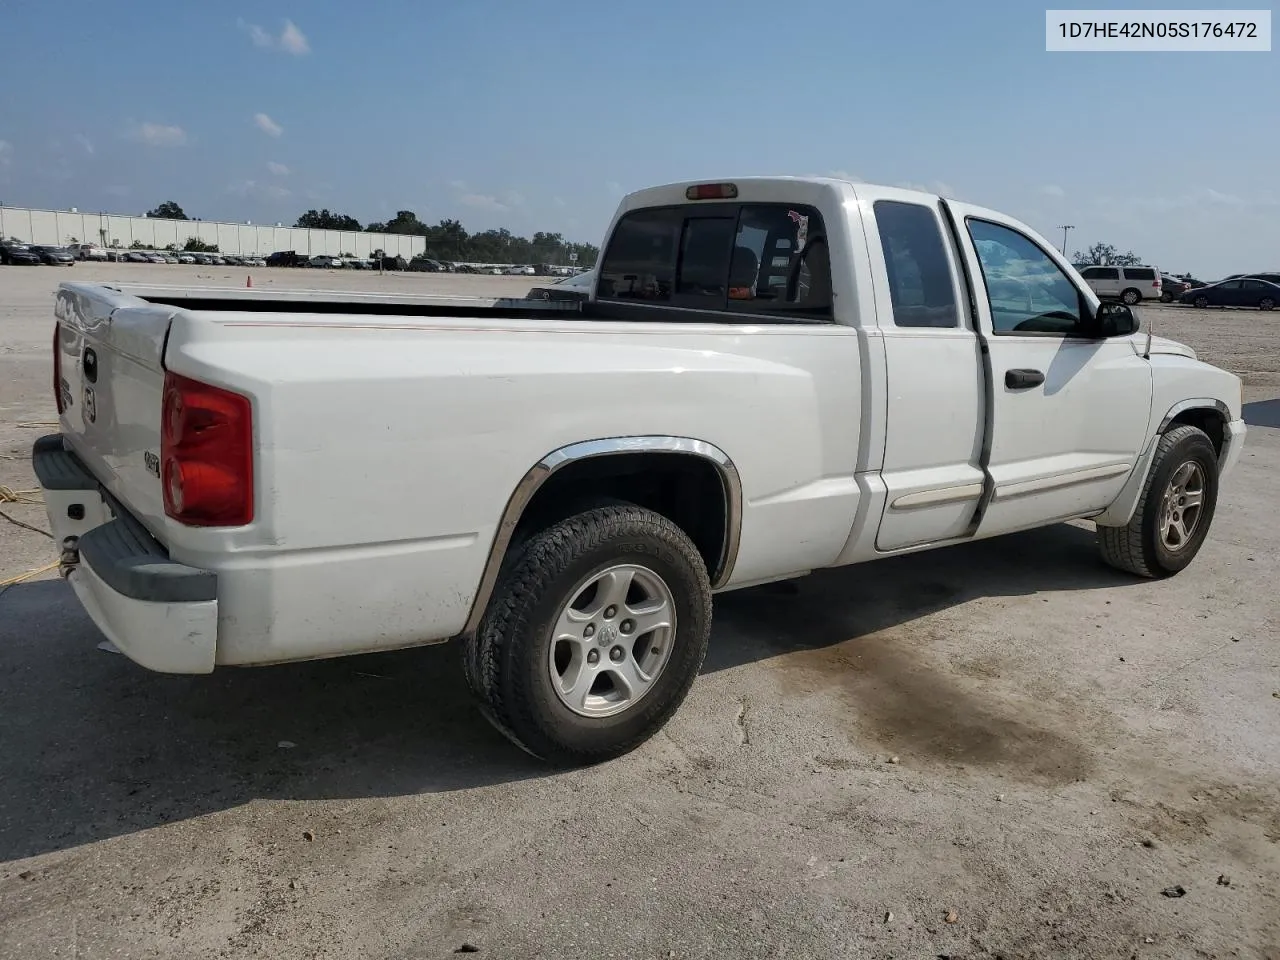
(16, 253)
(1133, 284)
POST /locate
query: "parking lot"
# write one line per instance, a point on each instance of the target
(1004, 749)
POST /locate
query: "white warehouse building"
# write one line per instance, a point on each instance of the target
(61, 227)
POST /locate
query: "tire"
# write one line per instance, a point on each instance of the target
(1166, 297)
(516, 668)
(1141, 547)
(1202, 303)
(1131, 296)
(1266, 303)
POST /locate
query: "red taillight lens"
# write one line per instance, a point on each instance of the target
(712, 191)
(57, 367)
(206, 454)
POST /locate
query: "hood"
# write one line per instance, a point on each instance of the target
(1171, 348)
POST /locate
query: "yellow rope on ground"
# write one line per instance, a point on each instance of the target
(10, 495)
(29, 574)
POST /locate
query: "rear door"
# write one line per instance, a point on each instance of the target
(934, 403)
(1069, 409)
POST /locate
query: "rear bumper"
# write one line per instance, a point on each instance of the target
(160, 613)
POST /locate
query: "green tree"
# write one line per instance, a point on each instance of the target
(168, 211)
(324, 220)
(196, 245)
(1105, 255)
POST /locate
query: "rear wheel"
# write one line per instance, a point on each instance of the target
(595, 633)
(1174, 513)
(1131, 296)
(1266, 303)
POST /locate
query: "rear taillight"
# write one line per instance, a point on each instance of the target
(57, 367)
(206, 454)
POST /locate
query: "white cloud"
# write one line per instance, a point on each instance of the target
(514, 199)
(1053, 190)
(118, 190)
(933, 186)
(1230, 199)
(613, 186)
(291, 39)
(843, 175)
(279, 169)
(6, 153)
(252, 188)
(85, 143)
(267, 125)
(158, 134)
(460, 186)
(558, 201)
(482, 201)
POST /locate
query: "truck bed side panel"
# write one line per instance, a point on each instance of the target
(388, 452)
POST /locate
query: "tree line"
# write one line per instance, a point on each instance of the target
(446, 240)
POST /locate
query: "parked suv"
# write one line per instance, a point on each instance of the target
(1130, 284)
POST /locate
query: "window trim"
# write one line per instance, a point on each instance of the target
(1088, 316)
(698, 306)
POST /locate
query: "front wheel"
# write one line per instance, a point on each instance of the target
(1174, 513)
(595, 633)
(1202, 303)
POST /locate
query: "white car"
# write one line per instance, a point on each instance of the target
(1130, 284)
(822, 373)
(87, 251)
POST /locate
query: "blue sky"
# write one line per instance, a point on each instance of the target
(538, 116)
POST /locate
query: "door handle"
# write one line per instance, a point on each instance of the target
(1022, 379)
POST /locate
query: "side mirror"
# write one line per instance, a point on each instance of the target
(1116, 320)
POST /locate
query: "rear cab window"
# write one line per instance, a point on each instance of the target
(769, 260)
(921, 285)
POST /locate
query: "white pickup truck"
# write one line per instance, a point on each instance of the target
(768, 376)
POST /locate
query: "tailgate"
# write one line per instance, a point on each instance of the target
(108, 360)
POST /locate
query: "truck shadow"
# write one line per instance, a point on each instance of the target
(97, 747)
(1262, 413)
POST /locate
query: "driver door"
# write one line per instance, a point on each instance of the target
(1070, 409)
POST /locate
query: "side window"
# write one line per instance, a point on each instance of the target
(1090, 273)
(1106, 273)
(920, 280)
(641, 259)
(1254, 284)
(1232, 285)
(1027, 291)
(780, 263)
(1139, 273)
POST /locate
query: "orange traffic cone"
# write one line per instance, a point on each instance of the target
(248, 280)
